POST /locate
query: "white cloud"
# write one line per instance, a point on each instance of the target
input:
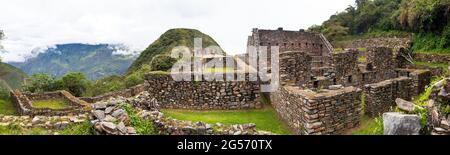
(137, 23)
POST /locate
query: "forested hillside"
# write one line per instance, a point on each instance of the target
(426, 21)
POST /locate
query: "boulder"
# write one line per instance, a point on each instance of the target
(99, 114)
(109, 128)
(99, 106)
(401, 124)
(118, 113)
(405, 105)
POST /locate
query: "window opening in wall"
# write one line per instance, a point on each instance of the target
(334, 81)
(316, 84)
(350, 79)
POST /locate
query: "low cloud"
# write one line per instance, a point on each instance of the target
(137, 23)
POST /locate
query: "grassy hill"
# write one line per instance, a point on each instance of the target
(10, 77)
(156, 55)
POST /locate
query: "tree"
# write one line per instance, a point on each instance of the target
(39, 83)
(76, 83)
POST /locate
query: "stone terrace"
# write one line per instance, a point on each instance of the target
(24, 105)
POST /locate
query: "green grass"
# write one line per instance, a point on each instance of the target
(362, 49)
(51, 104)
(17, 130)
(7, 108)
(219, 70)
(369, 126)
(443, 66)
(78, 129)
(362, 59)
(265, 119)
(142, 126)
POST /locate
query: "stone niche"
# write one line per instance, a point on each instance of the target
(204, 95)
(329, 112)
(380, 97)
(23, 102)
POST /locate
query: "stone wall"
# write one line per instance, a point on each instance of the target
(381, 60)
(23, 103)
(130, 92)
(395, 43)
(204, 95)
(420, 78)
(45, 122)
(326, 113)
(435, 71)
(345, 68)
(434, 58)
(380, 97)
(295, 67)
(168, 126)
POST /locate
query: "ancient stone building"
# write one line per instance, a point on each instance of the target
(314, 44)
(321, 89)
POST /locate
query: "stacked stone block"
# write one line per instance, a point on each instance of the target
(325, 113)
(380, 97)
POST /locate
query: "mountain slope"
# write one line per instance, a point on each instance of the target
(166, 42)
(95, 61)
(10, 77)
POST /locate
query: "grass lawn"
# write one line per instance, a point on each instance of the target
(15, 130)
(369, 126)
(265, 119)
(7, 108)
(432, 64)
(219, 70)
(51, 104)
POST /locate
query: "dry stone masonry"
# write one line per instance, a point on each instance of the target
(380, 97)
(204, 95)
(23, 102)
(312, 113)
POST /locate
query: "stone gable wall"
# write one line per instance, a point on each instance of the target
(203, 95)
(327, 113)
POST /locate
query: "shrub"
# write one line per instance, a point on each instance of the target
(162, 62)
(142, 126)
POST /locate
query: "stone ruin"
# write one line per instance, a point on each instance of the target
(439, 108)
(23, 102)
(322, 89)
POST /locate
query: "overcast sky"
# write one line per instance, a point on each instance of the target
(29, 24)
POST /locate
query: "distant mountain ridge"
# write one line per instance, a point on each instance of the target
(95, 61)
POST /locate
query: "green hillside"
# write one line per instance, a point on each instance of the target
(10, 77)
(427, 21)
(162, 48)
